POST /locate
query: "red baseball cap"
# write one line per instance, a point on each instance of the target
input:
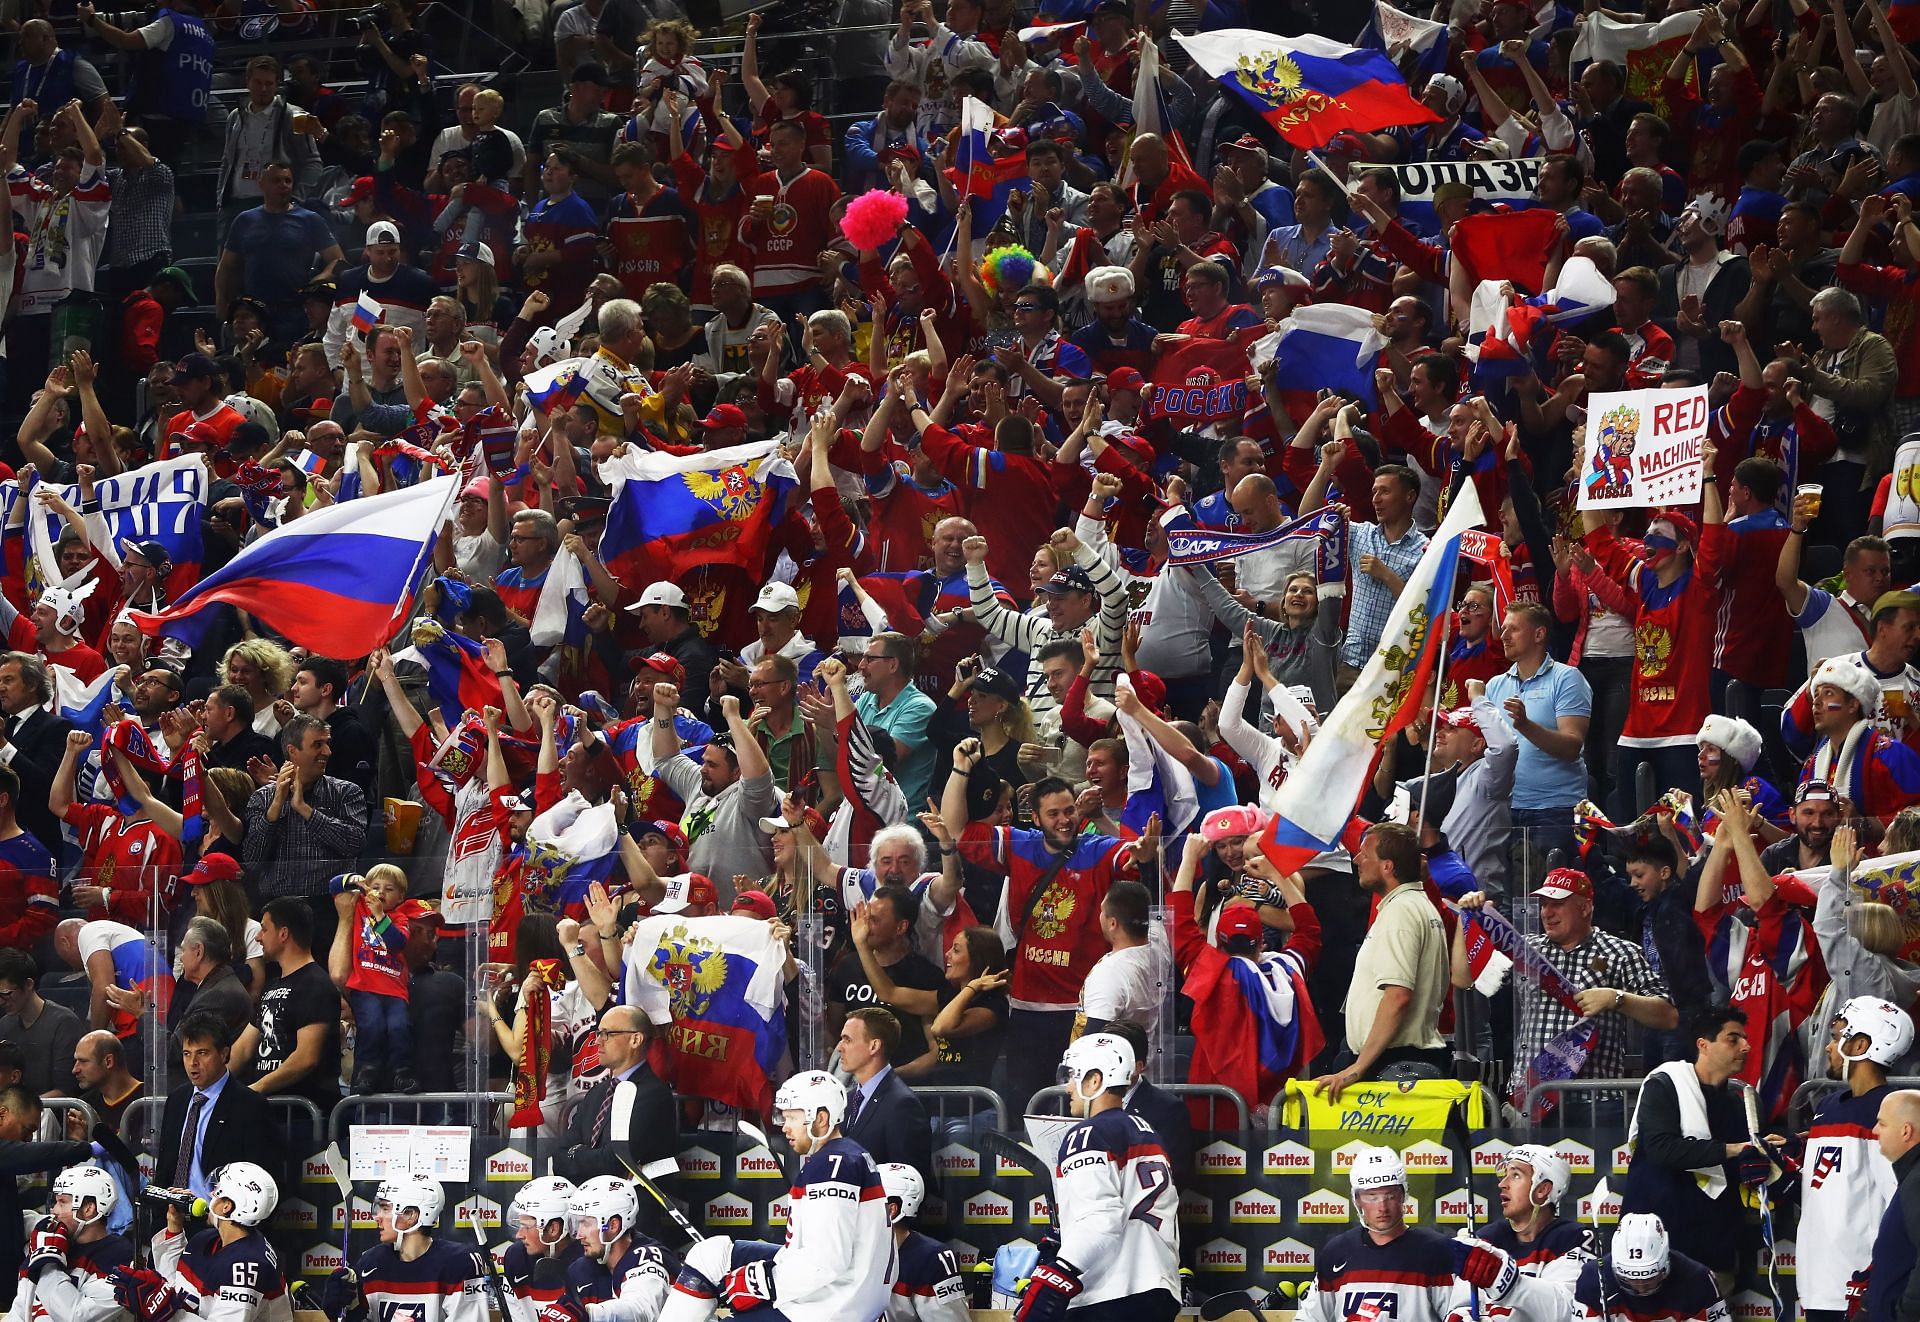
(1462, 718)
(757, 903)
(212, 868)
(724, 415)
(1564, 884)
(666, 665)
(1125, 378)
(1238, 920)
(685, 892)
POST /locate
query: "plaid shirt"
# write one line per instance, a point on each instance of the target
(142, 214)
(296, 855)
(1372, 601)
(1599, 960)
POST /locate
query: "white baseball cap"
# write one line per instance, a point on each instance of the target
(776, 599)
(383, 231)
(662, 593)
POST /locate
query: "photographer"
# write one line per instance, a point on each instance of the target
(389, 55)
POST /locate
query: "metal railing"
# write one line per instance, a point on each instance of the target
(940, 1093)
(1056, 1096)
(60, 1106)
(1561, 1087)
(482, 1103)
(1807, 1095)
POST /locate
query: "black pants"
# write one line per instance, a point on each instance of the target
(1036, 1039)
(1611, 679)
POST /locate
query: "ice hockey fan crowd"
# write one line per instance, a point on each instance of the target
(732, 577)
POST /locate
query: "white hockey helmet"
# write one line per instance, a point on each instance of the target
(412, 1193)
(899, 1180)
(810, 1092)
(1547, 1167)
(603, 1198)
(1888, 1030)
(547, 1199)
(1639, 1252)
(251, 1190)
(1106, 1054)
(83, 1182)
(1376, 1168)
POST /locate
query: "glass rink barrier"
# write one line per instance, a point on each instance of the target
(505, 1051)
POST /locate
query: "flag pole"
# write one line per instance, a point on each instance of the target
(1322, 167)
(1439, 686)
(413, 577)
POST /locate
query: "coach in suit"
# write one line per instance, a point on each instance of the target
(883, 1114)
(627, 1121)
(32, 742)
(213, 1118)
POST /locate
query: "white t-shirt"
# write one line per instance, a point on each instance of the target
(1129, 983)
(1830, 627)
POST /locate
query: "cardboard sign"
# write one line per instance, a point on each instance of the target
(1642, 448)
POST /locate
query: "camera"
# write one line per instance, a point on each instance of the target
(367, 19)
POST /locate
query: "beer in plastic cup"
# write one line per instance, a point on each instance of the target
(1808, 494)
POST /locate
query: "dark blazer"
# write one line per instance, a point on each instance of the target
(241, 1128)
(892, 1126)
(222, 994)
(652, 1128)
(1171, 1121)
(38, 745)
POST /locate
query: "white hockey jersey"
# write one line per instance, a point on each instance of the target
(838, 1260)
(929, 1288)
(1549, 1266)
(1119, 1210)
(81, 1293)
(1844, 1184)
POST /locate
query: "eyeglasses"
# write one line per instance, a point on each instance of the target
(764, 683)
(1026, 307)
(865, 657)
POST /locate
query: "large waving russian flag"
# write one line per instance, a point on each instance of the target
(335, 581)
(715, 987)
(1307, 87)
(1329, 346)
(674, 512)
(1317, 800)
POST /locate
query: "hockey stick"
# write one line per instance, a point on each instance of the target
(1011, 1149)
(496, 1287)
(343, 1177)
(1600, 1195)
(617, 1138)
(1750, 1100)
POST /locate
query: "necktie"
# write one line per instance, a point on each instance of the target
(189, 1141)
(854, 1099)
(605, 1112)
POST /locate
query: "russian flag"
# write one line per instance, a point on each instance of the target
(1904, 15)
(672, 513)
(973, 169)
(309, 463)
(335, 581)
(367, 313)
(458, 679)
(557, 385)
(1423, 37)
(1317, 801)
(84, 705)
(719, 982)
(1157, 785)
(569, 847)
(1307, 87)
(1329, 346)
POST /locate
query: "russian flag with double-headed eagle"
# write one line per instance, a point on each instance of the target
(672, 513)
(716, 987)
(1307, 87)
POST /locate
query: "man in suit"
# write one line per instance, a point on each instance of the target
(212, 1119)
(32, 742)
(207, 982)
(883, 1115)
(626, 1122)
(1166, 1113)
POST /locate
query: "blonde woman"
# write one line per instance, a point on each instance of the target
(995, 710)
(265, 670)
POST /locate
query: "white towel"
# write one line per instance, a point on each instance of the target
(1693, 1120)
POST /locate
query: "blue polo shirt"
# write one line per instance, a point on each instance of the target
(1556, 690)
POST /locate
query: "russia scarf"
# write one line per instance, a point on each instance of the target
(127, 735)
(1565, 1054)
(536, 1044)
